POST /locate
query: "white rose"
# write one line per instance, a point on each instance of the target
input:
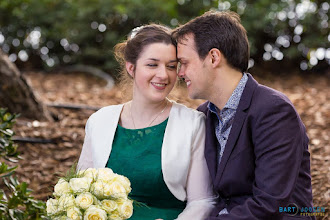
(66, 201)
(62, 187)
(52, 206)
(115, 190)
(125, 208)
(97, 189)
(89, 173)
(94, 212)
(124, 181)
(109, 205)
(115, 216)
(105, 174)
(79, 185)
(85, 200)
(108, 190)
(74, 213)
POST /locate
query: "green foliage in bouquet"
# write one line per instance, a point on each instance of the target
(16, 201)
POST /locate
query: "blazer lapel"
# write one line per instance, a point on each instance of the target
(211, 145)
(237, 124)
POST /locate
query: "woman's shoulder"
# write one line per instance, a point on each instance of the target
(106, 112)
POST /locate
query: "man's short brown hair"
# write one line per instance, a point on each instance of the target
(221, 30)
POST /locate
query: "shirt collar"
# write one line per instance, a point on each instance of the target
(235, 97)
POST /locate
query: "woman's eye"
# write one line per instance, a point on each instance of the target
(152, 65)
(172, 67)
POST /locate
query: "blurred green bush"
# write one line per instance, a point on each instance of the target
(16, 202)
(48, 33)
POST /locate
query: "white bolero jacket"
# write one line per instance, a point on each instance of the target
(183, 164)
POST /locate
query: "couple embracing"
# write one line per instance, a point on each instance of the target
(242, 155)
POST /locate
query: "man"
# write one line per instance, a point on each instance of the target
(256, 144)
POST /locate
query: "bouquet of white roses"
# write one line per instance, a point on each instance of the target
(91, 194)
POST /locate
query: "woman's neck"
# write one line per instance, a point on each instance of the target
(140, 113)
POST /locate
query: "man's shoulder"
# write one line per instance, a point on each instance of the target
(267, 96)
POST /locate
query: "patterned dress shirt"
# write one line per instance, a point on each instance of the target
(226, 116)
(225, 119)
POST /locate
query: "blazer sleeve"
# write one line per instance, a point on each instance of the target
(279, 139)
(200, 196)
(86, 156)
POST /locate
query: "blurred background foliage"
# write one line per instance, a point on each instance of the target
(44, 34)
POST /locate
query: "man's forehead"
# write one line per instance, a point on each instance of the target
(187, 39)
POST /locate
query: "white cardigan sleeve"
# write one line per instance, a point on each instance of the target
(86, 156)
(200, 195)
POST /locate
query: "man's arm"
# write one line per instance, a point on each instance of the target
(279, 140)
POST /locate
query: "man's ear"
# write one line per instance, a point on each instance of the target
(216, 57)
(130, 68)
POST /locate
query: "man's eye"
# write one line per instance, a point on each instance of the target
(152, 65)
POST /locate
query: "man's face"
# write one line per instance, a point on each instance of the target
(193, 70)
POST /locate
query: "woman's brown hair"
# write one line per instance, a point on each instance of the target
(139, 38)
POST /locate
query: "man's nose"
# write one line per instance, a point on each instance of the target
(181, 73)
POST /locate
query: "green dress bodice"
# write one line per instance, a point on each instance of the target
(136, 154)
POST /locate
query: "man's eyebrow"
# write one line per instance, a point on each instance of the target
(172, 61)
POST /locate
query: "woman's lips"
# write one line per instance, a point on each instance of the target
(159, 86)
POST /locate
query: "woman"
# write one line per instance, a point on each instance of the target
(157, 143)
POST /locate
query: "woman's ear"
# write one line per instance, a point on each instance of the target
(216, 57)
(130, 68)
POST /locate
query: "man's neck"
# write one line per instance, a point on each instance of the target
(224, 86)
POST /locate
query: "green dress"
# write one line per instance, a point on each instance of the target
(136, 154)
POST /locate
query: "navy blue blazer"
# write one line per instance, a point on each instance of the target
(266, 163)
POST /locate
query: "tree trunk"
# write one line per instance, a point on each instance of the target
(15, 93)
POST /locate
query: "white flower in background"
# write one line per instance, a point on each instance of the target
(79, 185)
(125, 208)
(62, 187)
(74, 213)
(105, 174)
(66, 201)
(109, 205)
(94, 212)
(85, 200)
(52, 206)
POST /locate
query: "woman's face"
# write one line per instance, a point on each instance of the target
(155, 72)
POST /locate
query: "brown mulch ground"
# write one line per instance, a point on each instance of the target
(42, 162)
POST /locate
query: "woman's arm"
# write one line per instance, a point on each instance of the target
(86, 156)
(200, 195)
